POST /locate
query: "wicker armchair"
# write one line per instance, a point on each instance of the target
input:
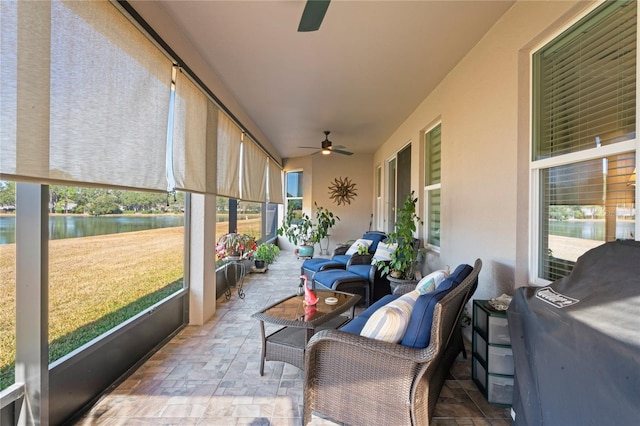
(360, 381)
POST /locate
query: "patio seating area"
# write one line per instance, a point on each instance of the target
(209, 375)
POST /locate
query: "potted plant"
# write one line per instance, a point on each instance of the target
(326, 220)
(265, 254)
(300, 230)
(406, 256)
(235, 246)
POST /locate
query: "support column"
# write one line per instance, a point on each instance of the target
(32, 301)
(202, 270)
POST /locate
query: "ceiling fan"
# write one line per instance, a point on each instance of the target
(313, 15)
(327, 147)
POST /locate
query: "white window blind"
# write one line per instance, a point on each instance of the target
(228, 161)
(254, 172)
(101, 101)
(433, 168)
(194, 138)
(275, 183)
(585, 83)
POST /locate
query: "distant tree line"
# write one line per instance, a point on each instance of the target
(99, 201)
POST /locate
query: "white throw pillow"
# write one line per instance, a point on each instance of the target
(359, 242)
(390, 321)
(383, 252)
(437, 276)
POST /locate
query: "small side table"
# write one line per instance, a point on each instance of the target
(299, 323)
(239, 272)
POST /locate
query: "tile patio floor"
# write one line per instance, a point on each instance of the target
(209, 375)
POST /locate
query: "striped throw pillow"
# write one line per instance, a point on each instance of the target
(390, 321)
(383, 252)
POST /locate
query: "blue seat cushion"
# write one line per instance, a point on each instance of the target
(317, 263)
(329, 277)
(355, 325)
(418, 334)
(361, 270)
(341, 258)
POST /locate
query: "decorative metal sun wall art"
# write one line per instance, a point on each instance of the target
(342, 191)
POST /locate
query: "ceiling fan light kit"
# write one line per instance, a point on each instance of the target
(327, 146)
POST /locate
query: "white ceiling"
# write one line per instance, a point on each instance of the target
(367, 68)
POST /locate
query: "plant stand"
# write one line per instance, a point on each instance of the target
(324, 245)
(239, 271)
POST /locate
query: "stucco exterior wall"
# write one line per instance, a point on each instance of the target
(319, 173)
(483, 105)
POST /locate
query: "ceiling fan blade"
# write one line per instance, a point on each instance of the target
(313, 15)
(339, 151)
(308, 147)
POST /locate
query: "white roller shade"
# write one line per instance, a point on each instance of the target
(275, 183)
(228, 161)
(194, 138)
(254, 172)
(102, 103)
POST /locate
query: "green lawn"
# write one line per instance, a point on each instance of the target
(95, 283)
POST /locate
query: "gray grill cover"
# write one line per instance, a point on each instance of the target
(580, 364)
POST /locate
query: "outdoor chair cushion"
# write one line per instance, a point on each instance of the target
(376, 237)
(418, 333)
(341, 258)
(418, 330)
(343, 280)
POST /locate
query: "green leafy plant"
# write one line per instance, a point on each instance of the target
(266, 252)
(300, 228)
(325, 221)
(363, 250)
(406, 256)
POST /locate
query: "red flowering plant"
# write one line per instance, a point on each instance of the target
(240, 246)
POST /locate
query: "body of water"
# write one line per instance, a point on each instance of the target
(86, 226)
(590, 229)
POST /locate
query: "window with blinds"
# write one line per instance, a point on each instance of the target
(585, 83)
(432, 161)
(583, 159)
